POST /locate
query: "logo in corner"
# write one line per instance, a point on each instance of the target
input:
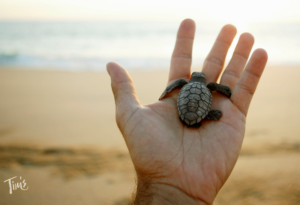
(16, 185)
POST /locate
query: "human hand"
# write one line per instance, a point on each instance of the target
(176, 164)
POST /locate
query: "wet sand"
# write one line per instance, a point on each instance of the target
(58, 131)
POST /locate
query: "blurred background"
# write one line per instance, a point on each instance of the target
(57, 125)
(85, 35)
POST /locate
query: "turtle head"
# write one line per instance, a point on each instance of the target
(198, 77)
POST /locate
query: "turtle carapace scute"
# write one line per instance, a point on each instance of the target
(195, 99)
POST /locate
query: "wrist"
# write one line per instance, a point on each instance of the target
(159, 193)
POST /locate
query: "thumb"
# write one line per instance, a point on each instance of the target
(124, 92)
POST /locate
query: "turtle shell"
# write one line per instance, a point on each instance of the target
(194, 102)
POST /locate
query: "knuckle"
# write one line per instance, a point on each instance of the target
(215, 60)
(232, 73)
(246, 88)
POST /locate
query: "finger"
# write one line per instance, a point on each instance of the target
(182, 55)
(214, 62)
(124, 92)
(238, 61)
(246, 85)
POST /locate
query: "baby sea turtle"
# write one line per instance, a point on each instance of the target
(194, 99)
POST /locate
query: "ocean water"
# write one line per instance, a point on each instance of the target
(80, 46)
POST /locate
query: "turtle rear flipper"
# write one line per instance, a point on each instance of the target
(176, 84)
(213, 115)
(219, 88)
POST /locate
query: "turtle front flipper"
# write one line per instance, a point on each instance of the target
(176, 84)
(219, 88)
(213, 115)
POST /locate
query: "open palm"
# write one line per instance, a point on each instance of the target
(181, 164)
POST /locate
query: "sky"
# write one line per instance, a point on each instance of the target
(231, 11)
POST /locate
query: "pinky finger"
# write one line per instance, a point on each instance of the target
(246, 85)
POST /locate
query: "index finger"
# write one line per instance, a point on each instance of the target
(182, 55)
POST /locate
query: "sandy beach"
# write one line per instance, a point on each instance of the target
(58, 131)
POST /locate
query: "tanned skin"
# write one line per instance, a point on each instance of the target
(176, 164)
